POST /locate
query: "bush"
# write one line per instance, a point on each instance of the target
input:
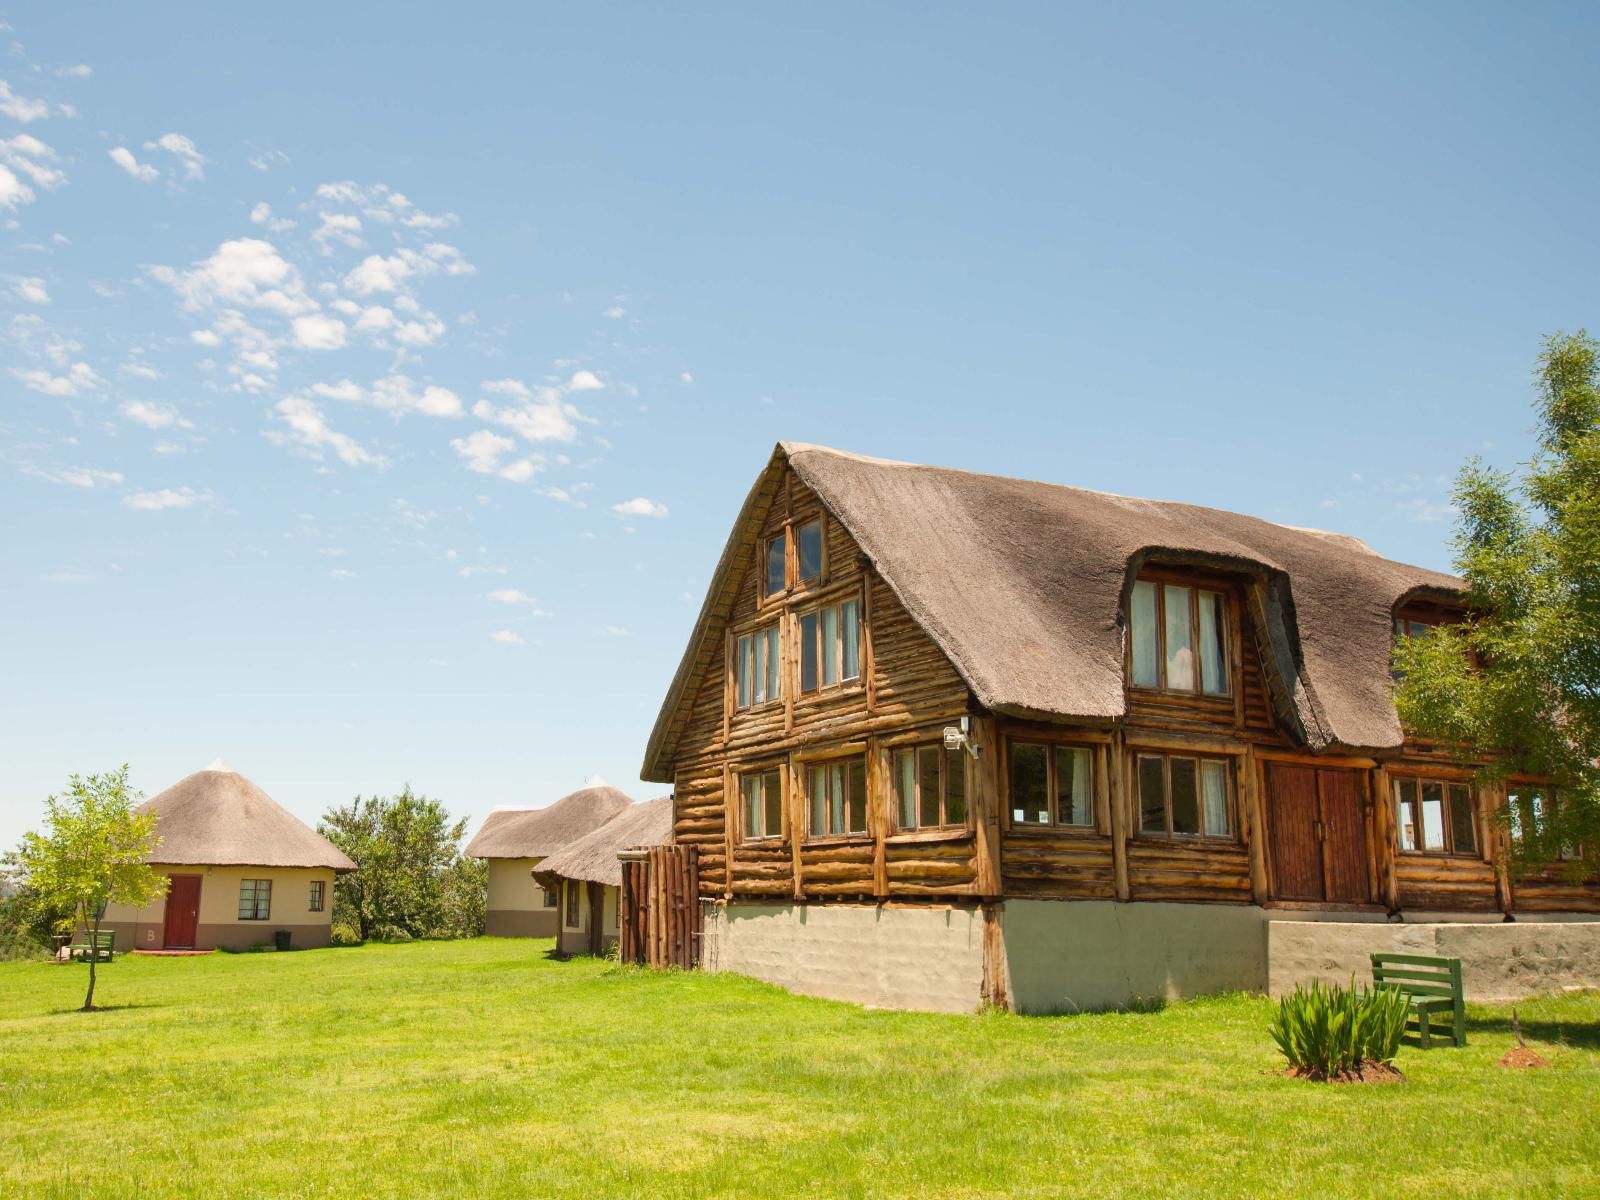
(1325, 1031)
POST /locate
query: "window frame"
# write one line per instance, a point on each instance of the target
(944, 826)
(572, 909)
(256, 897)
(1546, 797)
(1230, 785)
(1160, 581)
(1399, 779)
(1093, 827)
(844, 761)
(788, 534)
(549, 898)
(317, 900)
(770, 635)
(815, 612)
(754, 773)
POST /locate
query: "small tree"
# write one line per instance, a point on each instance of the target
(93, 855)
(1520, 677)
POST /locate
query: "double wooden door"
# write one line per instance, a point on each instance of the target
(183, 913)
(1317, 831)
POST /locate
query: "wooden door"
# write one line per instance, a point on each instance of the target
(1344, 837)
(1292, 825)
(183, 913)
(597, 917)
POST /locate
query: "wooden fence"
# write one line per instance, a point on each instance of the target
(659, 917)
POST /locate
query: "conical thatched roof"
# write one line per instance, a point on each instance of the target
(538, 832)
(594, 858)
(220, 818)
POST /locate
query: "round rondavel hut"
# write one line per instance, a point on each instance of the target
(242, 871)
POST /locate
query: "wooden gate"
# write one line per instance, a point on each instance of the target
(659, 912)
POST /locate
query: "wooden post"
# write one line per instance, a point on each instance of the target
(729, 805)
(989, 881)
(797, 822)
(1118, 753)
(878, 785)
(1255, 827)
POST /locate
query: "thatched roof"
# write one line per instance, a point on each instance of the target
(1023, 587)
(594, 858)
(219, 818)
(538, 832)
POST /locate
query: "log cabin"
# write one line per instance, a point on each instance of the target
(514, 841)
(586, 876)
(944, 739)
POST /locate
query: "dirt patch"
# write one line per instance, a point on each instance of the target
(1368, 1070)
(1519, 1057)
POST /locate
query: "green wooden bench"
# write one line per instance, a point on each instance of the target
(103, 948)
(1434, 985)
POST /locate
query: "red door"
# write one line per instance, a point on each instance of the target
(183, 912)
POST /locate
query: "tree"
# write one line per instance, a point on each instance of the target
(1520, 677)
(25, 922)
(93, 855)
(410, 874)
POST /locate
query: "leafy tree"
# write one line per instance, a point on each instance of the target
(93, 855)
(410, 876)
(25, 922)
(1521, 676)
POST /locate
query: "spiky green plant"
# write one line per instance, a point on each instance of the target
(1327, 1029)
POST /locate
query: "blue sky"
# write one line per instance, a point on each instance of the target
(377, 386)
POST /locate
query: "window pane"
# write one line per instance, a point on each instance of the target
(857, 773)
(836, 798)
(775, 572)
(830, 644)
(1185, 795)
(772, 663)
(1432, 816)
(1463, 837)
(808, 652)
(1152, 795)
(742, 670)
(1179, 638)
(809, 536)
(1144, 635)
(750, 791)
(817, 795)
(851, 619)
(1072, 786)
(955, 787)
(772, 795)
(1405, 813)
(1214, 798)
(905, 788)
(1213, 671)
(1030, 801)
(928, 782)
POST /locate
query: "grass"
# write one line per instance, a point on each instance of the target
(486, 1069)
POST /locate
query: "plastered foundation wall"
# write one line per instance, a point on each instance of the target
(929, 959)
(1500, 961)
(219, 924)
(1071, 955)
(515, 904)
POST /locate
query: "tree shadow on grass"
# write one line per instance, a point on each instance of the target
(1584, 1035)
(77, 1009)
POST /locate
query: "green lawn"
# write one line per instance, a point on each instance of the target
(485, 1069)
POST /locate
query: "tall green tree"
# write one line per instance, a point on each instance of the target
(1521, 676)
(93, 854)
(410, 872)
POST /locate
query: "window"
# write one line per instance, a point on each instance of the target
(830, 645)
(574, 915)
(1179, 640)
(762, 796)
(930, 787)
(255, 899)
(547, 897)
(774, 581)
(1405, 627)
(756, 667)
(837, 796)
(1434, 816)
(1532, 813)
(1052, 785)
(808, 549)
(1180, 796)
(316, 895)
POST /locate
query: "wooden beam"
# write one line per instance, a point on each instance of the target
(985, 800)
(1121, 809)
(1255, 826)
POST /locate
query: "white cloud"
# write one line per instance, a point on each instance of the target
(617, 631)
(341, 229)
(615, 313)
(541, 416)
(506, 638)
(80, 378)
(685, 377)
(81, 477)
(29, 288)
(184, 150)
(247, 272)
(79, 71)
(345, 390)
(154, 416)
(261, 214)
(265, 160)
(20, 108)
(640, 506)
(341, 573)
(205, 337)
(318, 332)
(310, 430)
(27, 155)
(32, 335)
(516, 596)
(124, 158)
(141, 370)
(484, 452)
(584, 381)
(165, 498)
(398, 394)
(379, 274)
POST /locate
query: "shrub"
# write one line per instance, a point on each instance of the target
(1325, 1031)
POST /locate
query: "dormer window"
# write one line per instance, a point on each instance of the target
(1179, 638)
